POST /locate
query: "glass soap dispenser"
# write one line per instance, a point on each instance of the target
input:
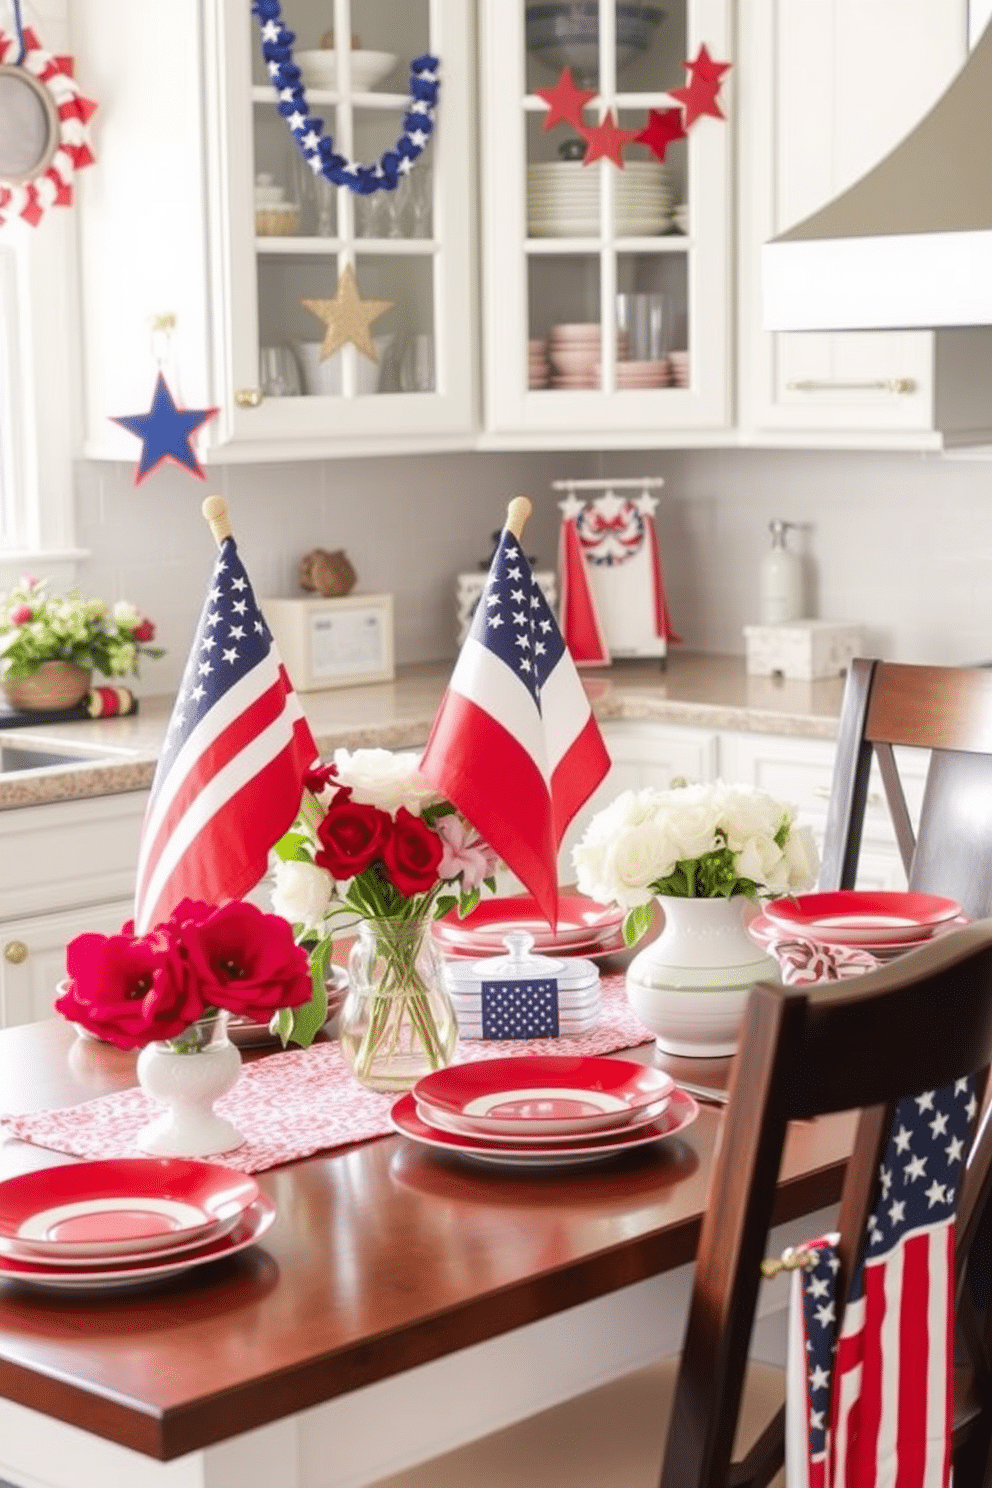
(781, 579)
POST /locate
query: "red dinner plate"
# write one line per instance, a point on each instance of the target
(678, 1114)
(120, 1206)
(856, 917)
(543, 1093)
(134, 1270)
(433, 1116)
(579, 920)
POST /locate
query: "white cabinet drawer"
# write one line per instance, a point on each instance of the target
(32, 962)
(69, 853)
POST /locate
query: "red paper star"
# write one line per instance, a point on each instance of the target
(706, 67)
(661, 129)
(606, 141)
(565, 101)
(699, 96)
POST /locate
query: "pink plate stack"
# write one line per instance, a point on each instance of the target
(125, 1221)
(543, 1110)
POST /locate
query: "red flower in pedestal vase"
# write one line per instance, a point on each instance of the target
(145, 631)
(127, 989)
(351, 836)
(413, 854)
(245, 960)
(132, 990)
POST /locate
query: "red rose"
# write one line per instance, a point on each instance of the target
(145, 631)
(351, 837)
(413, 854)
(21, 614)
(128, 989)
(245, 960)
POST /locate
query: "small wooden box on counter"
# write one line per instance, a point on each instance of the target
(806, 649)
(333, 642)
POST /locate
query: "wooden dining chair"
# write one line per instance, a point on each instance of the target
(947, 711)
(914, 1025)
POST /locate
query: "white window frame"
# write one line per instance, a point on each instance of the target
(39, 377)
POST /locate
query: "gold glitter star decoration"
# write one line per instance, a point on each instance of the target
(348, 317)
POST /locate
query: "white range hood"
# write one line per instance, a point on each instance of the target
(910, 244)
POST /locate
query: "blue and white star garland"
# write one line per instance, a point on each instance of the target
(309, 131)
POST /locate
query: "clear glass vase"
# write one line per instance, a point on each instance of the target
(398, 1022)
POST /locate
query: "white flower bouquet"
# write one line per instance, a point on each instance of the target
(694, 841)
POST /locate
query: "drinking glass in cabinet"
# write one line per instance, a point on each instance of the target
(278, 372)
(417, 364)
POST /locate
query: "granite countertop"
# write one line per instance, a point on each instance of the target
(119, 754)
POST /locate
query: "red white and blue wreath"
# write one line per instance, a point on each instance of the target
(52, 188)
(310, 132)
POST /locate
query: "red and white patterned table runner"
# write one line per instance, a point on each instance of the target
(290, 1105)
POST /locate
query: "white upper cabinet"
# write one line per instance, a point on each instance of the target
(826, 89)
(203, 209)
(607, 312)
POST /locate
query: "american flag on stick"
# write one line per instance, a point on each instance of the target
(514, 744)
(230, 776)
(873, 1408)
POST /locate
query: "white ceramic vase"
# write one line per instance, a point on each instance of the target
(187, 1083)
(690, 986)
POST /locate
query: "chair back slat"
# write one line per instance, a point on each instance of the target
(931, 707)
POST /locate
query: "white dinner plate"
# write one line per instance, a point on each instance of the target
(136, 1272)
(682, 1110)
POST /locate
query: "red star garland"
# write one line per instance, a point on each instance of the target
(661, 130)
(699, 95)
(53, 188)
(606, 141)
(565, 101)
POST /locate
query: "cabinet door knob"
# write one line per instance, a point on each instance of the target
(15, 951)
(248, 397)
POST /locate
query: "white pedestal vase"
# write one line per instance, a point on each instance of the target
(187, 1081)
(690, 986)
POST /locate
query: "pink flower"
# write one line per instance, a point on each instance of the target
(128, 989)
(465, 855)
(21, 614)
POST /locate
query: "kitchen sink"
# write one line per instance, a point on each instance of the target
(16, 757)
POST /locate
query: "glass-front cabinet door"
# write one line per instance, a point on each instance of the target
(606, 217)
(352, 304)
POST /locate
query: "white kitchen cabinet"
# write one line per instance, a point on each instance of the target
(66, 868)
(170, 231)
(643, 754)
(826, 88)
(563, 239)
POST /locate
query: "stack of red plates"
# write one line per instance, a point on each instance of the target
(125, 1221)
(543, 1110)
(584, 927)
(886, 923)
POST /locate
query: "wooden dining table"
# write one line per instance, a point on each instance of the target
(404, 1300)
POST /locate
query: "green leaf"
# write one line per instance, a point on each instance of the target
(444, 904)
(468, 903)
(637, 923)
(305, 1022)
(292, 848)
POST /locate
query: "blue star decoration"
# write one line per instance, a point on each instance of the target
(165, 432)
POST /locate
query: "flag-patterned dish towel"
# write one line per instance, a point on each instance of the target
(872, 1406)
(293, 1104)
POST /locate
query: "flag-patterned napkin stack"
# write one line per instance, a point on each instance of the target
(524, 996)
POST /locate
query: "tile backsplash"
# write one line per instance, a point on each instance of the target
(899, 544)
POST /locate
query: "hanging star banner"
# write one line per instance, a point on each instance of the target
(347, 317)
(699, 96)
(165, 432)
(565, 101)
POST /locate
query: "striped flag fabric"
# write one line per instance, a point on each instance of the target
(229, 779)
(872, 1406)
(514, 744)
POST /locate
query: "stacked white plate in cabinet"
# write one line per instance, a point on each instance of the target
(125, 1221)
(563, 199)
(522, 995)
(543, 1110)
